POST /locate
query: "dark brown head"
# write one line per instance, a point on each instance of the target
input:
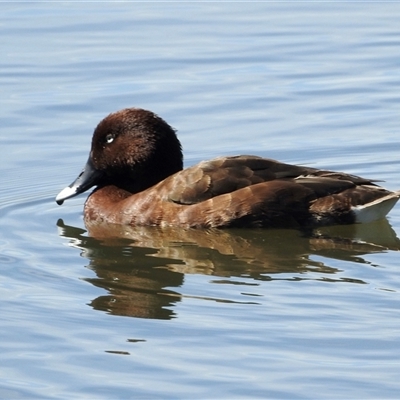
(135, 147)
(132, 149)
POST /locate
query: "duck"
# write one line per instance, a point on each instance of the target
(135, 166)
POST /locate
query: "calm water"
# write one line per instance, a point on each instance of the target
(177, 314)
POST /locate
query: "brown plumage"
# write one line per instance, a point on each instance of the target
(136, 164)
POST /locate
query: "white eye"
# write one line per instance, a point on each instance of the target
(109, 138)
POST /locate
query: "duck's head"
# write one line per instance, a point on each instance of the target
(132, 149)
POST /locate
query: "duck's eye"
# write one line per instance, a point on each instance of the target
(109, 138)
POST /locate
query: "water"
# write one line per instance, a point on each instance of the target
(175, 314)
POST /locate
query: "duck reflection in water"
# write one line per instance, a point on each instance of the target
(142, 268)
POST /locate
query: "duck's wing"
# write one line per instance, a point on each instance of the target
(255, 192)
(228, 174)
(222, 175)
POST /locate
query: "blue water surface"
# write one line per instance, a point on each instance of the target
(199, 315)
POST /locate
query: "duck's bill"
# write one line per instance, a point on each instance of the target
(88, 178)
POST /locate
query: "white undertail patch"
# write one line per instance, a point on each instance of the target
(376, 209)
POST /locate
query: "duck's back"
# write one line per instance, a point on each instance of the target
(222, 175)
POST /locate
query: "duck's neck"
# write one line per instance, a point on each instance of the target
(153, 171)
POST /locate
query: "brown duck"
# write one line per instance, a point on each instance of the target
(136, 164)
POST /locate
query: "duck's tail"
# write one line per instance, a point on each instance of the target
(376, 209)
